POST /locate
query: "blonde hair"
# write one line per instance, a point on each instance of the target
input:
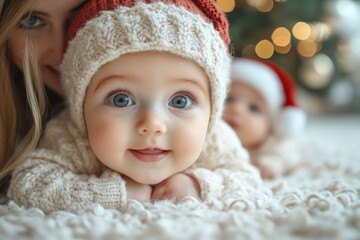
(14, 143)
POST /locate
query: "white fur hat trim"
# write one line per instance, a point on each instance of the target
(262, 78)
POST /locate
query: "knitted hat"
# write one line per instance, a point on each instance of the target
(278, 89)
(104, 30)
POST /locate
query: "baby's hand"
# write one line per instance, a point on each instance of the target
(176, 187)
(267, 171)
(137, 191)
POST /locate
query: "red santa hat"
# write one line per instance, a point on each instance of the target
(278, 90)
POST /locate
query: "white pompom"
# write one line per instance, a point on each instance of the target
(290, 122)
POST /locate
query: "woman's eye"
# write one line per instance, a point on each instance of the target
(181, 101)
(31, 21)
(120, 100)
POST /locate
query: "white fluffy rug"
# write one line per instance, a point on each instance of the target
(320, 200)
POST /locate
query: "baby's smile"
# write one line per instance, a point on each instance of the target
(149, 154)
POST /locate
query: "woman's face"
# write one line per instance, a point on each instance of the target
(46, 26)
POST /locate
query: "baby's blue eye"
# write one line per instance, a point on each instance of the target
(181, 101)
(31, 22)
(120, 100)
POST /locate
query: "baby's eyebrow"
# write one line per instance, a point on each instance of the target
(195, 82)
(107, 79)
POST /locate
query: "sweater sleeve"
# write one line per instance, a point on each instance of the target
(224, 166)
(60, 174)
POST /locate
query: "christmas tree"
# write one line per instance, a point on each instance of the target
(314, 40)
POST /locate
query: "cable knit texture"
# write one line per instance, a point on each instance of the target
(207, 9)
(63, 170)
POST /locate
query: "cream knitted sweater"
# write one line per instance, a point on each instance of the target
(63, 171)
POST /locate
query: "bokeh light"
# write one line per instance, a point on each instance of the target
(307, 48)
(320, 31)
(283, 49)
(281, 37)
(264, 49)
(341, 93)
(261, 5)
(301, 30)
(226, 5)
(317, 72)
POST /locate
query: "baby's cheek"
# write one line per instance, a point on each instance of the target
(102, 137)
(192, 142)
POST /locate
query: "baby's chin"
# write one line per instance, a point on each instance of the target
(149, 180)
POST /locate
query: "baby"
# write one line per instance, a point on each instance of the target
(262, 108)
(145, 83)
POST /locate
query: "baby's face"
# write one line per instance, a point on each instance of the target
(247, 113)
(147, 115)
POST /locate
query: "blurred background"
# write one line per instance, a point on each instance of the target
(316, 41)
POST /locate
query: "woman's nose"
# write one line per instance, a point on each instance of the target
(56, 43)
(151, 124)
